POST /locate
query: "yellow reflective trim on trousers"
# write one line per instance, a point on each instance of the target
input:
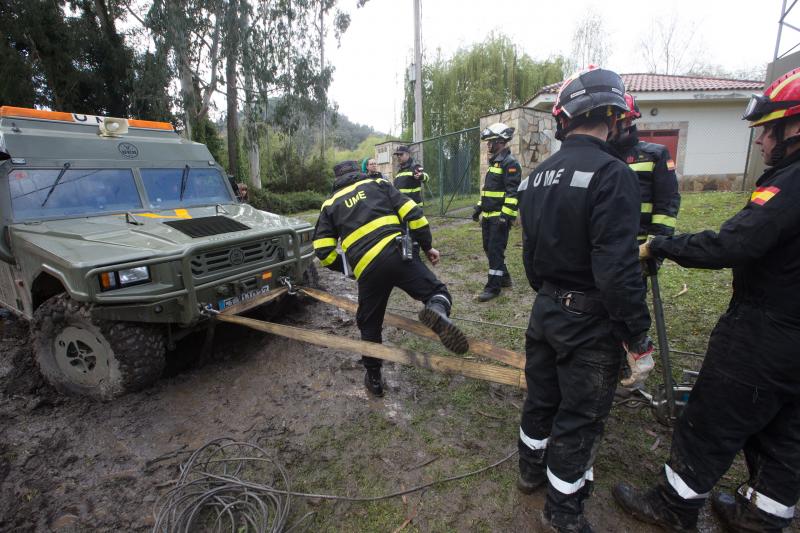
(322, 243)
(330, 259)
(493, 194)
(511, 201)
(509, 212)
(665, 220)
(369, 227)
(339, 194)
(647, 207)
(491, 214)
(416, 224)
(405, 208)
(405, 191)
(646, 166)
(496, 170)
(372, 253)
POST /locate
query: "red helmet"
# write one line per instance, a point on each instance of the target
(633, 108)
(780, 100)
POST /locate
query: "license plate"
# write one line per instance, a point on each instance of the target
(249, 295)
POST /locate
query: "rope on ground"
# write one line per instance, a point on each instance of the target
(213, 492)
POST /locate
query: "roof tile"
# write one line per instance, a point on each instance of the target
(665, 82)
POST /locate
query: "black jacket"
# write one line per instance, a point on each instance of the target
(761, 243)
(406, 183)
(658, 184)
(579, 213)
(367, 214)
(499, 192)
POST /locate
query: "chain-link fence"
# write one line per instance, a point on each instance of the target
(453, 164)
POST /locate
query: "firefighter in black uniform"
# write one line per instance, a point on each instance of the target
(747, 396)
(410, 176)
(658, 184)
(579, 213)
(368, 215)
(497, 207)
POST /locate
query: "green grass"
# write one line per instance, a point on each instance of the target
(466, 424)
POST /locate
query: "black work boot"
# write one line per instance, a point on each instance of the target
(658, 506)
(737, 514)
(373, 381)
(506, 281)
(435, 315)
(532, 469)
(564, 523)
(488, 294)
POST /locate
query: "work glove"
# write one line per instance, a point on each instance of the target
(639, 353)
(644, 248)
(476, 213)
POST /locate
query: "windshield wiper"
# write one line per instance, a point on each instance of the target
(184, 180)
(55, 183)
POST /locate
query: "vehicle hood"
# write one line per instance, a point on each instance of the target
(110, 239)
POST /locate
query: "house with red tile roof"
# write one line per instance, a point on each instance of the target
(698, 118)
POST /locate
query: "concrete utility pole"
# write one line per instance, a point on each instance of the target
(417, 74)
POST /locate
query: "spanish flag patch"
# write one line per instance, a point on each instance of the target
(763, 195)
(670, 164)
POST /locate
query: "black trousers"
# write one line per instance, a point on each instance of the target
(747, 397)
(375, 287)
(495, 240)
(572, 364)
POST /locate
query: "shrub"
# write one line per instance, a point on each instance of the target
(285, 203)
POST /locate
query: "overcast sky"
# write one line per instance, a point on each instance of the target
(378, 47)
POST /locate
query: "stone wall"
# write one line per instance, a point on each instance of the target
(711, 182)
(534, 137)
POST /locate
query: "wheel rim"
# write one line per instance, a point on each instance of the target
(82, 356)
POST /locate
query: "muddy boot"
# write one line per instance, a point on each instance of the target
(563, 523)
(506, 282)
(488, 294)
(435, 315)
(373, 381)
(737, 514)
(532, 469)
(660, 505)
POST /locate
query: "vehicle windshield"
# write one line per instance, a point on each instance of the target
(82, 191)
(202, 186)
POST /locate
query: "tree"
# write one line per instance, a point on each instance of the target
(588, 41)
(487, 78)
(670, 45)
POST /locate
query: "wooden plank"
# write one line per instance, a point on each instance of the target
(447, 365)
(476, 346)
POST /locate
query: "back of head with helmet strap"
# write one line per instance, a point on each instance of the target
(589, 94)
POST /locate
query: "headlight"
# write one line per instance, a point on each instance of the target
(124, 278)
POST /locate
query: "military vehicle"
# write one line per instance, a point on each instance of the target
(115, 235)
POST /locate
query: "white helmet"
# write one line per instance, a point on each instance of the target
(497, 131)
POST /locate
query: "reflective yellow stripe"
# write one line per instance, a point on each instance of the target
(646, 166)
(511, 201)
(491, 214)
(344, 191)
(509, 212)
(322, 243)
(416, 224)
(664, 220)
(405, 191)
(404, 173)
(493, 194)
(766, 118)
(647, 207)
(496, 170)
(783, 84)
(405, 208)
(372, 253)
(330, 259)
(369, 227)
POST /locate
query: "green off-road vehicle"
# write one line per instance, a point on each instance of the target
(115, 235)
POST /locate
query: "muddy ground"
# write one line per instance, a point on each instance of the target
(69, 464)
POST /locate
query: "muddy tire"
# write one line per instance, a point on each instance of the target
(100, 359)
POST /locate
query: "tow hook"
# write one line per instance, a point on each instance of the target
(287, 282)
(207, 310)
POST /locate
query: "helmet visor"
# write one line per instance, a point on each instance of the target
(760, 104)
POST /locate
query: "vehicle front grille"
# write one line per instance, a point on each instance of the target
(207, 226)
(215, 261)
